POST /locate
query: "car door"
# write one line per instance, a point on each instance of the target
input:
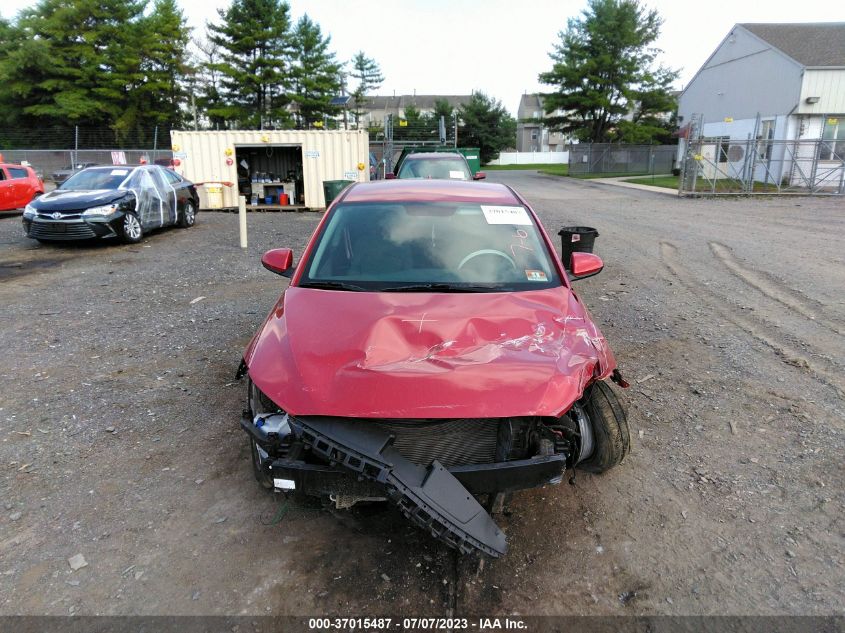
(150, 205)
(168, 194)
(20, 191)
(5, 205)
(180, 186)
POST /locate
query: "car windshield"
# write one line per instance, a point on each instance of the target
(436, 247)
(92, 179)
(447, 168)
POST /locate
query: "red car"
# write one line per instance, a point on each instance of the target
(18, 186)
(430, 351)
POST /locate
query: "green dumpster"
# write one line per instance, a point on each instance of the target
(332, 188)
(473, 156)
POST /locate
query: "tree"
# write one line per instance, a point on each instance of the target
(442, 108)
(75, 62)
(369, 77)
(101, 65)
(315, 73)
(205, 84)
(254, 41)
(414, 126)
(158, 96)
(484, 123)
(602, 67)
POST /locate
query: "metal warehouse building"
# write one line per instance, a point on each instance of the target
(271, 168)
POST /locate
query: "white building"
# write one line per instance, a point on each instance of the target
(774, 82)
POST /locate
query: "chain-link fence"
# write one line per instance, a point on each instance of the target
(720, 165)
(616, 159)
(81, 137)
(55, 165)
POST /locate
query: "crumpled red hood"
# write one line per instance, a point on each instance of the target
(427, 355)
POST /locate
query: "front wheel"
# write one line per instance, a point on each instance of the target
(188, 217)
(131, 228)
(611, 437)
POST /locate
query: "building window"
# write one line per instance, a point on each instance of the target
(764, 140)
(832, 146)
(724, 144)
(533, 135)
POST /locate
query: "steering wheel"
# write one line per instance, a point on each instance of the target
(486, 251)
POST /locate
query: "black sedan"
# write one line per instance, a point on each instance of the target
(121, 201)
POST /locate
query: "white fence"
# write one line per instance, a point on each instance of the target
(531, 158)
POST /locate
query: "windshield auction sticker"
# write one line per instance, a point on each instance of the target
(535, 275)
(505, 215)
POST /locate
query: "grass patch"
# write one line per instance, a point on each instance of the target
(610, 175)
(554, 168)
(723, 185)
(669, 182)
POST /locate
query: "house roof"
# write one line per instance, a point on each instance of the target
(813, 44)
(528, 105)
(420, 102)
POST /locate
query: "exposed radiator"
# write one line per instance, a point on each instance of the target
(451, 442)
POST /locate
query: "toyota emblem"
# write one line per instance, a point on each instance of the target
(56, 216)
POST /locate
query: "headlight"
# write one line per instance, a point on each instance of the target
(260, 403)
(29, 212)
(103, 211)
(268, 417)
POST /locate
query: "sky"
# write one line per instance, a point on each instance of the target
(499, 46)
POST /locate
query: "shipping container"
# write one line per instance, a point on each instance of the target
(270, 168)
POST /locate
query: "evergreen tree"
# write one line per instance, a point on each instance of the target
(254, 40)
(414, 126)
(315, 72)
(369, 77)
(206, 84)
(158, 98)
(486, 124)
(443, 109)
(73, 62)
(602, 68)
(100, 65)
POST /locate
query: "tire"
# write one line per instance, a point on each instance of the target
(131, 229)
(188, 217)
(261, 475)
(611, 436)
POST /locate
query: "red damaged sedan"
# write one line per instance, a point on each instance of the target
(430, 352)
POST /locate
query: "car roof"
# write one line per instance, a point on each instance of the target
(118, 166)
(432, 190)
(433, 155)
(14, 165)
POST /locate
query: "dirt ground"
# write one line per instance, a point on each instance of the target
(119, 435)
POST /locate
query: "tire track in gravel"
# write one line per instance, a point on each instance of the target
(788, 353)
(774, 288)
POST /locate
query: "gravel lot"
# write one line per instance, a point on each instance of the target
(119, 437)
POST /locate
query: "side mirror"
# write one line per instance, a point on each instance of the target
(585, 265)
(390, 176)
(279, 261)
(479, 175)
